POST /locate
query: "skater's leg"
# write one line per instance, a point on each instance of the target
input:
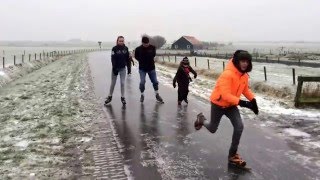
(235, 118)
(122, 73)
(142, 80)
(180, 95)
(216, 115)
(185, 98)
(153, 78)
(113, 83)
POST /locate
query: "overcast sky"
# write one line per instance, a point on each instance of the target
(210, 20)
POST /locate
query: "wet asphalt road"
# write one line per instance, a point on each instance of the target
(158, 141)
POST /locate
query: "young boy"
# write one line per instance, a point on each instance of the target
(183, 78)
(225, 98)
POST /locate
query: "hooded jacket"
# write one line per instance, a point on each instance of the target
(231, 84)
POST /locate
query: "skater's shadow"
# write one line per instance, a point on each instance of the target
(149, 122)
(182, 129)
(110, 111)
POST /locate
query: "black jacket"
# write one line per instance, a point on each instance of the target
(182, 77)
(119, 56)
(145, 57)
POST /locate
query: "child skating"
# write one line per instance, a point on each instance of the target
(183, 79)
(225, 98)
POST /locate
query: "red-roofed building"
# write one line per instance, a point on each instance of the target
(187, 43)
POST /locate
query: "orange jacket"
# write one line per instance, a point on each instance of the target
(229, 87)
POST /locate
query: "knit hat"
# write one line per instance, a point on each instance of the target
(145, 40)
(185, 61)
(242, 55)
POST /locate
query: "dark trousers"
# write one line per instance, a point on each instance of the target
(234, 115)
(183, 92)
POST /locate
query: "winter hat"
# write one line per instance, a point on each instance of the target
(185, 60)
(242, 55)
(145, 40)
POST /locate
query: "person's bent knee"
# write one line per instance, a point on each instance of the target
(239, 128)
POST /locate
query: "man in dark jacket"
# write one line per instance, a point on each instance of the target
(145, 54)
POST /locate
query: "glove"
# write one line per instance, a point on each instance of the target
(115, 71)
(250, 105)
(174, 85)
(195, 76)
(255, 108)
(246, 104)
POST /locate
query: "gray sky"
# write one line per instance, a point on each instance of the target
(210, 20)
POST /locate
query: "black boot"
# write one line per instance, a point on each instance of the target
(159, 99)
(123, 100)
(108, 100)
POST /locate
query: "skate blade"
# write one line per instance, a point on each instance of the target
(245, 168)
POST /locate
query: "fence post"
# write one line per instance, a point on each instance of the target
(35, 56)
(40, 56)
(208, 64)
(22, 58)
(195, 61)
(169, 58)
(298, 94)
(175, 59)
(294, 76)
(14, 60)
(223, 66)
(29, 57)
(3, 62)
(163, 58)
(265, 73)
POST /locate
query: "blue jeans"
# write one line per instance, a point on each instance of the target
(153, 78)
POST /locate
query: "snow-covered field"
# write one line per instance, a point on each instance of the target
(46, 123)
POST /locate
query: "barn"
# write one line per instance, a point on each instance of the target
(187, 43)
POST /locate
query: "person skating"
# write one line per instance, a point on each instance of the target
(183, 79)
(119, 59)
(145, 55)
(225, 98)
(130, 61)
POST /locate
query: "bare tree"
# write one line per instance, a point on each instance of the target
(157, 41)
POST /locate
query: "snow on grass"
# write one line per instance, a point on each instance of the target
(43, 122)
(296, 133)
(2, 73)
